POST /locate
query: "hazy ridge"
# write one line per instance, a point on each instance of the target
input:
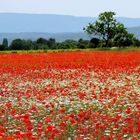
(61, 27)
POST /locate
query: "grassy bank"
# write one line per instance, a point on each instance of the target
(130, 49)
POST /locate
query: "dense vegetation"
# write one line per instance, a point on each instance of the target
(111, 32)
(51, 44)
(106, 32)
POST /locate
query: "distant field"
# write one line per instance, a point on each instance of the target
(131, 49)
(90, 95)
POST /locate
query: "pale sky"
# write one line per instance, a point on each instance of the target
(92, 8)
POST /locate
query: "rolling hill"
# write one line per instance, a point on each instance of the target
(61, 27)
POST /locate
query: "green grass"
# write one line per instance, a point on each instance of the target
(130, 49)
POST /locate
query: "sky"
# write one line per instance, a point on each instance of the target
(91, 8)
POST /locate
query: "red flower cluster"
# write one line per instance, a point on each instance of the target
(70, 95)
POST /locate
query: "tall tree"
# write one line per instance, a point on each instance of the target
(51, 43)
(106, 28)
(5, 43)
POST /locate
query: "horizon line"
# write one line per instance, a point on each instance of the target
(29, 13)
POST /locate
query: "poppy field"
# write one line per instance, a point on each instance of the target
(70, 96)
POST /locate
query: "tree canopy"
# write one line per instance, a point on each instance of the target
(108, 29)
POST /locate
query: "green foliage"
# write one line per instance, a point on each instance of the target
(83, 44)
(136, 42)
(94, 43)
(5, 43)
(122, 38)
(67, 44)
(41, 47)
(2, 47)
(16, 44)
(28, 44)
(109, 30)
(51, 43)
(44, 44)
(19, 44)
(41, 41)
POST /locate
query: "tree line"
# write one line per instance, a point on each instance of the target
(48, 44)
(51, 44)
(105, 32)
